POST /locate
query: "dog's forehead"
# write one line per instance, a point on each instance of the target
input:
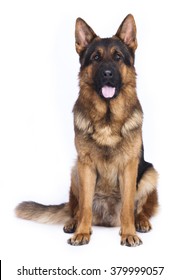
(107, 44)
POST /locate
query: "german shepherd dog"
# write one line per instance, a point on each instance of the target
(111, 183)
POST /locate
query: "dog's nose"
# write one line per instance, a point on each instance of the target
(107, 73)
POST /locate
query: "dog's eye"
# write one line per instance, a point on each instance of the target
(117, 57)
(96, 57)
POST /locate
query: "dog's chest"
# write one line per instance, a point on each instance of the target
(106, 135)
(103, 132)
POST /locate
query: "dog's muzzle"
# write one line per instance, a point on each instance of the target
(107, 81)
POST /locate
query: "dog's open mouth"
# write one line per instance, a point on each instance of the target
(108, 91)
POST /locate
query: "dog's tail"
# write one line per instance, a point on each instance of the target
(46, 214)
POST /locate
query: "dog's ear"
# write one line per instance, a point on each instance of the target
(83, 35)
(127, 32)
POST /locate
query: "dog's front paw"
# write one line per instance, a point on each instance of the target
(130, 240)
(79, 239)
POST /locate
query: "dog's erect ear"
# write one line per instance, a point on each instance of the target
(83, 35)
(127, 32)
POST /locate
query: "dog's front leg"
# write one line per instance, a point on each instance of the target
(128, 189)
(86, 182)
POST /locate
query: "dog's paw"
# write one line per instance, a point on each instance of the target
(70, 227)
(79, 239)
(130, 240)
(142, 224)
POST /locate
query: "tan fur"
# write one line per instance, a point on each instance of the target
(133, 122)
(83, 124)
(146, 186)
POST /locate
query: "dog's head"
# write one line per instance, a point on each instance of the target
(106, 63)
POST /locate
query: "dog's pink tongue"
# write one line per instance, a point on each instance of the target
(108, 92)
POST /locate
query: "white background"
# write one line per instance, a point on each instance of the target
(38, 87)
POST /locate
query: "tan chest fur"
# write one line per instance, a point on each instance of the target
(107, 160)
(106, 135)
(107, 142)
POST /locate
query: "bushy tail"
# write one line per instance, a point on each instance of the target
(51, 214)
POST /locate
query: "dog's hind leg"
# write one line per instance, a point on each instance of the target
(70, 226)
(146, 200)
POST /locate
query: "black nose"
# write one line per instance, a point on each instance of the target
(107, 73)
